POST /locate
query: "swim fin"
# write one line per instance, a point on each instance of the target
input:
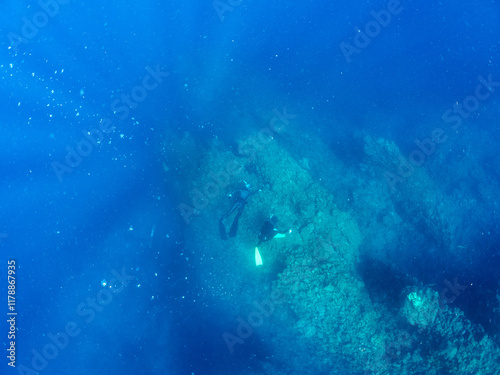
(258, 258)
(234, 228)
(222, 230)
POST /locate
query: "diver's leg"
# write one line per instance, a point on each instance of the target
(234, 227)
(222, 230)
(230, 211)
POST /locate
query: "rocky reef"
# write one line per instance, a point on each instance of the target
(327, 305)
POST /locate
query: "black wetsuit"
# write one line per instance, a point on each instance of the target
(268, 231)
(240, 197)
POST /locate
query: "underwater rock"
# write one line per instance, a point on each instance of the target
(421, 307)
(325, 301)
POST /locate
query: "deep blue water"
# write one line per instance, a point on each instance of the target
(116, 209)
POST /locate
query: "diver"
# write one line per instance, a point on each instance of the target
(267, 233)
(269, 230)
(239, 200)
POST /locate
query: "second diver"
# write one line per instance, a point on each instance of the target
(239, 199)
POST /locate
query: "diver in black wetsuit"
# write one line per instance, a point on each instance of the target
(269, 230)
(239, 199)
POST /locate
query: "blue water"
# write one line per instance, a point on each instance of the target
(72, 227)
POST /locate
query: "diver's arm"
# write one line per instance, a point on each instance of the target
(283, 231)
(253, 192)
